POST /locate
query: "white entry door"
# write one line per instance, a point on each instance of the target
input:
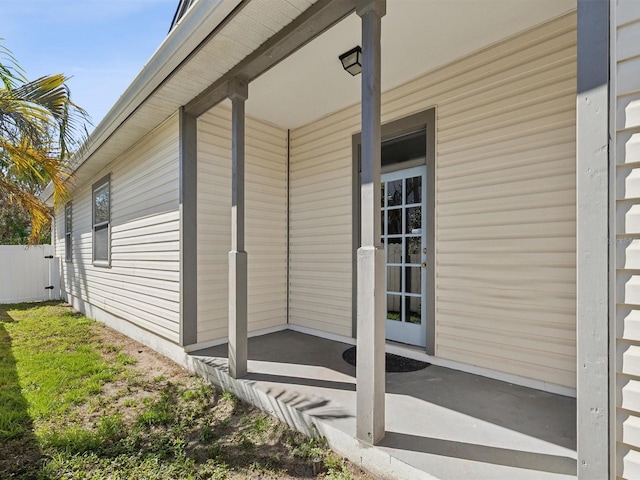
(404, 240)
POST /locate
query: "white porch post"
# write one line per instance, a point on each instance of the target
(188, 126)
(370, 390)
(595, 243)
(238, 93)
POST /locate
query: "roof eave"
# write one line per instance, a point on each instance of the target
(200, 20)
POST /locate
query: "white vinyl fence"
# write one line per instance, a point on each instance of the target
(28, 274)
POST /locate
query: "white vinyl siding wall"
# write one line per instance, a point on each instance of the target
(320, 213)
(626, 97)
(266, 223)
(505, 206)
(142, 285)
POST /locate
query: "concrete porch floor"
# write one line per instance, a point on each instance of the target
(440, 423)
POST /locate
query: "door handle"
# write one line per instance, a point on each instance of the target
(423, 265)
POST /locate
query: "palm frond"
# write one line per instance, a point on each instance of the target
(11, 73)
(39, 212)
(39, 125)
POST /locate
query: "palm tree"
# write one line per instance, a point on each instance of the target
(38, 130)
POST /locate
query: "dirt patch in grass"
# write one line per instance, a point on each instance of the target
(152, 419)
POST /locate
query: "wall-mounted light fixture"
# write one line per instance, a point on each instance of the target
(352, 60)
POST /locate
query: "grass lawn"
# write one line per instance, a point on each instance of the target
(80, 401)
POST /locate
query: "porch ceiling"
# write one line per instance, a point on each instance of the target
(417, 36)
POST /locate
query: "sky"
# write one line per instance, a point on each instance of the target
(101, 44)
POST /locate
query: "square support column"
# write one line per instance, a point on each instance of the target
(188, 127)
(370, 370)
(238, 93)
(595, 243)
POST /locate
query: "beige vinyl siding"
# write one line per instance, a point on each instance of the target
(320, 224)
(505, 206)
(626, 99)
(142, 285)
(266, 223)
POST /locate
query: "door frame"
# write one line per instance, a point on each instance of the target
(423, 120)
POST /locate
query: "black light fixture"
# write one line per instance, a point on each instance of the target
(352, 60)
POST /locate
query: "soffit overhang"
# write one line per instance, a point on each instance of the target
(218, 39)
(213, 37)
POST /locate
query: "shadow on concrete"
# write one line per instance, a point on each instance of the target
(481, 453)
(532, 412)
(536, 414)
(321, 408)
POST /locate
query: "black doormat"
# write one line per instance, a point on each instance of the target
(393, 363)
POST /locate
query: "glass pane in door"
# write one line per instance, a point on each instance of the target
(414, 190)
(413, 307)
(394, 307)
(394, 279)
(414, 250)
(394, 221)
(394, 250)
(413, 283)
(414, 220)
(394, 193)
(403, 240)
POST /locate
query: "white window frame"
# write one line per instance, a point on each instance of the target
(97, 226)
(68, 232)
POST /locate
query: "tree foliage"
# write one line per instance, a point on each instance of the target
(39, 128)
(15, 225)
